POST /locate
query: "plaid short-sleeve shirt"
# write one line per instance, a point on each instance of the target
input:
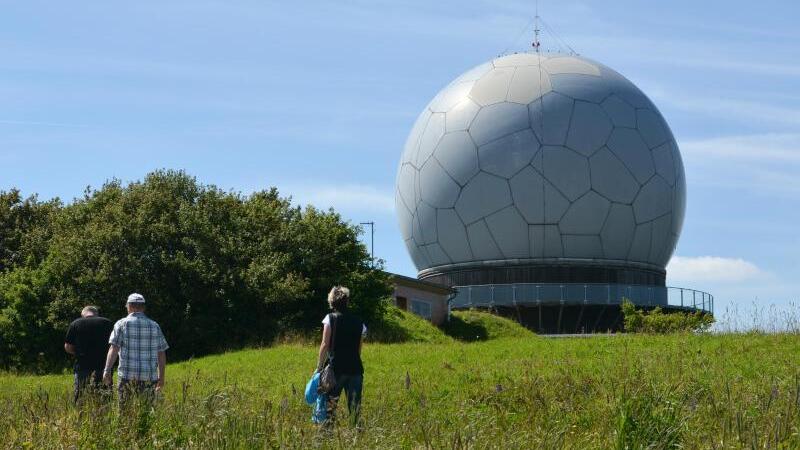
(139, 340)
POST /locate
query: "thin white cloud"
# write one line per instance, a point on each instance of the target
(768, 147)
(353, 198)
(740, 110)
(766, 162)
(696, 269)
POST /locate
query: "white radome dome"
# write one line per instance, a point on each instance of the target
(540, 157)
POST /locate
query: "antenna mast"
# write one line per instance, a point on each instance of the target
(536, 29)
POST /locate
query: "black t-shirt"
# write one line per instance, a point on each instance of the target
(346, 358)
(90, 336)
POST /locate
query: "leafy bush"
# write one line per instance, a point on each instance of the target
(659, 322)
(219, 270)
(480, 326)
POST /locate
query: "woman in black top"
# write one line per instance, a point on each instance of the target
(342, 336)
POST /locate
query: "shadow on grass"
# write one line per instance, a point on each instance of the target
(460, 329)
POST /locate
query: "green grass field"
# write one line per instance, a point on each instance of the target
(523, 391)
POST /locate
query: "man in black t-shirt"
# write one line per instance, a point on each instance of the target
(87, 339)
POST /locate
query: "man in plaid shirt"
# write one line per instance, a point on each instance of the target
(141, 347)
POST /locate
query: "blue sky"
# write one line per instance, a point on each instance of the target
(317, 98)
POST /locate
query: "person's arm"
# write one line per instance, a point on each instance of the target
(324, 346)
(111, 359)
(69, 339)
(162, 368)
(361, 340)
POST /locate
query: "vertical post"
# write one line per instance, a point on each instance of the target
(371, 241)
(681, 297)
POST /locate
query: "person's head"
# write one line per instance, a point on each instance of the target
(338, 298)
(89, 311)
(135, 303)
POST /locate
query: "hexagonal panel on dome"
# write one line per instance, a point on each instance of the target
(527, 191)
(582, 246)
(580, 87)
(621, 113)
(461, 115)
(611, 179)
(651, 127)
(528, 84)
(453, 235)
(418, 256)
(553, 244)
(451, 96)
(566, 170)
(436, 187)
(404, 216)
(570, 64)
(434, 130)
(510, 232)
(482, 243)
(629, 147)
(458, 156)
(436, 255)
(555, 204)
(406, 179)
(640, 247)
(426, 216)
(660, 238)
(482, 196)
(586, 215)
(589, 128)
(617, 233)
(665, 166)
(493, 87)
(678, 205)
(496, 121)
(550, 116)
(654, 200)
(508, 155)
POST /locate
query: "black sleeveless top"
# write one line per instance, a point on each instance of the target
(348, 329)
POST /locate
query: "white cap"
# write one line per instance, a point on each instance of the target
(135, 298)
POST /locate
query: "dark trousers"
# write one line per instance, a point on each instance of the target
(87, 380)
(128, 390)
(352, 385)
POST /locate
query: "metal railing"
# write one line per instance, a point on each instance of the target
(530, 294)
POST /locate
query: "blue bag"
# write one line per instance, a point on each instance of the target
(311, 389)
(320, 412)
(318, 401)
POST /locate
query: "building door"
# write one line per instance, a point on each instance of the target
(401, 303)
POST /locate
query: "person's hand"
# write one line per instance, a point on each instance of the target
(107, 378)
(159, 384)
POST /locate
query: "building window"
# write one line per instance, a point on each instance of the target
(401, 303)
(421, 308)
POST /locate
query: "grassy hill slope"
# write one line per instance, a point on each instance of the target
(709, 391)
(480, 326)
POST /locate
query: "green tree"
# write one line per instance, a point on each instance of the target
(220, 270)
